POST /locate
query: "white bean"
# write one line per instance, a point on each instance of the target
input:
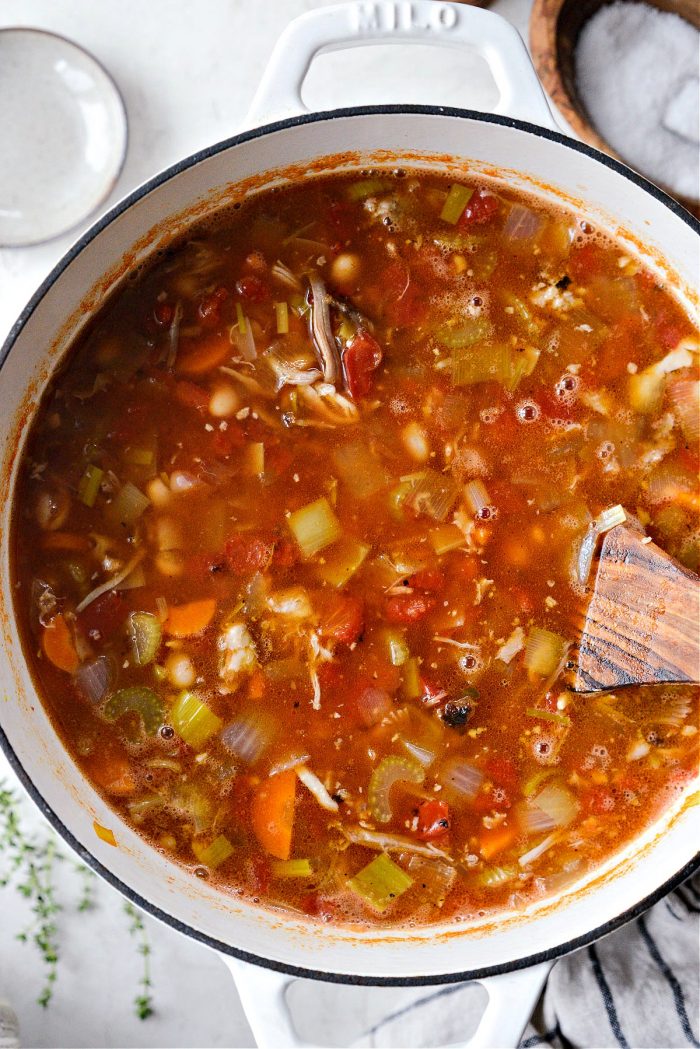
(415, 441)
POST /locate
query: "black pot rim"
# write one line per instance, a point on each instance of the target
(86, 856)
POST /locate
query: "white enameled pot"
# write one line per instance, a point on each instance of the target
(515, 951)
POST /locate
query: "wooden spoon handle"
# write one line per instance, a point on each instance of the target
(642, 624)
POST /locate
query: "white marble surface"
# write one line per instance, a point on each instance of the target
(187, 72)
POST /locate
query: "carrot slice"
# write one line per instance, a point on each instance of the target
(496, 840)
(189, 619)
(57, 642)
(65, 541)
(272, 813)
(111, 770)
(198, 356)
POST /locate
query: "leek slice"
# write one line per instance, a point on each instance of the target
(448, 537)
(380, 882)
(483, 362)
(347, 556)
(314, 527)
(215, 853)
(411, 686)
(396, 647)
(544, 651)
(457, 200)
(366, 187)
(142, 701)
(282, 318)
(194, 722)
(89, 485)
(292, 869)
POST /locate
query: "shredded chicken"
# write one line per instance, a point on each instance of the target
(322, 333)
(238, 655)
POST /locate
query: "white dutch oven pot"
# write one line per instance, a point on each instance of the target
(515, 951)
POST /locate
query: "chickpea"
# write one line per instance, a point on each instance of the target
(170, 563)
(224, 402)
(415, 441)
(179, 670)
(345, 268)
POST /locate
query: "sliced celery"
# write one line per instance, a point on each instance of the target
(282, 318)
(241, 319)
(215, 853)
(411, 686)
(396, 647)
(380, 882)
(89, 485)
(139, 699)
(345, 559)
(193, 720)
(457, 200)
(447, 537)
(475, 495)
(493, 877)
(432, 495)
(140, 456)
(314, 527)
(390, 770)
(145, 634)
(292, 868)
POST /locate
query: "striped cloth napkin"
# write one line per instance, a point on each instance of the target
(636, 988)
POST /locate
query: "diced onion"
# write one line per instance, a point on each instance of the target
(94, 679)
(246, 739)
(558, 803)
(463, 779)
(522, 224)
(534, 854)
(511, 647)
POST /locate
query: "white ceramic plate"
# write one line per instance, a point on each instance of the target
(63, 132)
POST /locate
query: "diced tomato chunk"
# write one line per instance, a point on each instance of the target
(248, 553)
(361, 358)
(428, 579)
(252, 288)
(105, 615)
(225, 442)
(209, 308)
(408, 608)
(192, 395)
(585, 261)
(599, 800)
(286, 553)
(433, 820)
(482, 207)
(344, 619)
(163, 313)
(502, 771)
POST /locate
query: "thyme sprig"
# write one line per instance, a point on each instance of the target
(29, 863)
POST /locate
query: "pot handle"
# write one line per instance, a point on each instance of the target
(388, 22)
(512, 999)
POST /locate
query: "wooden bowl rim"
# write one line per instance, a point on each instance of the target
(544, 19)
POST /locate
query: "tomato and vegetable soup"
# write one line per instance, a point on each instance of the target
(304, 521)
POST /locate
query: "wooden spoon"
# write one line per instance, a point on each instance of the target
(642, 623)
